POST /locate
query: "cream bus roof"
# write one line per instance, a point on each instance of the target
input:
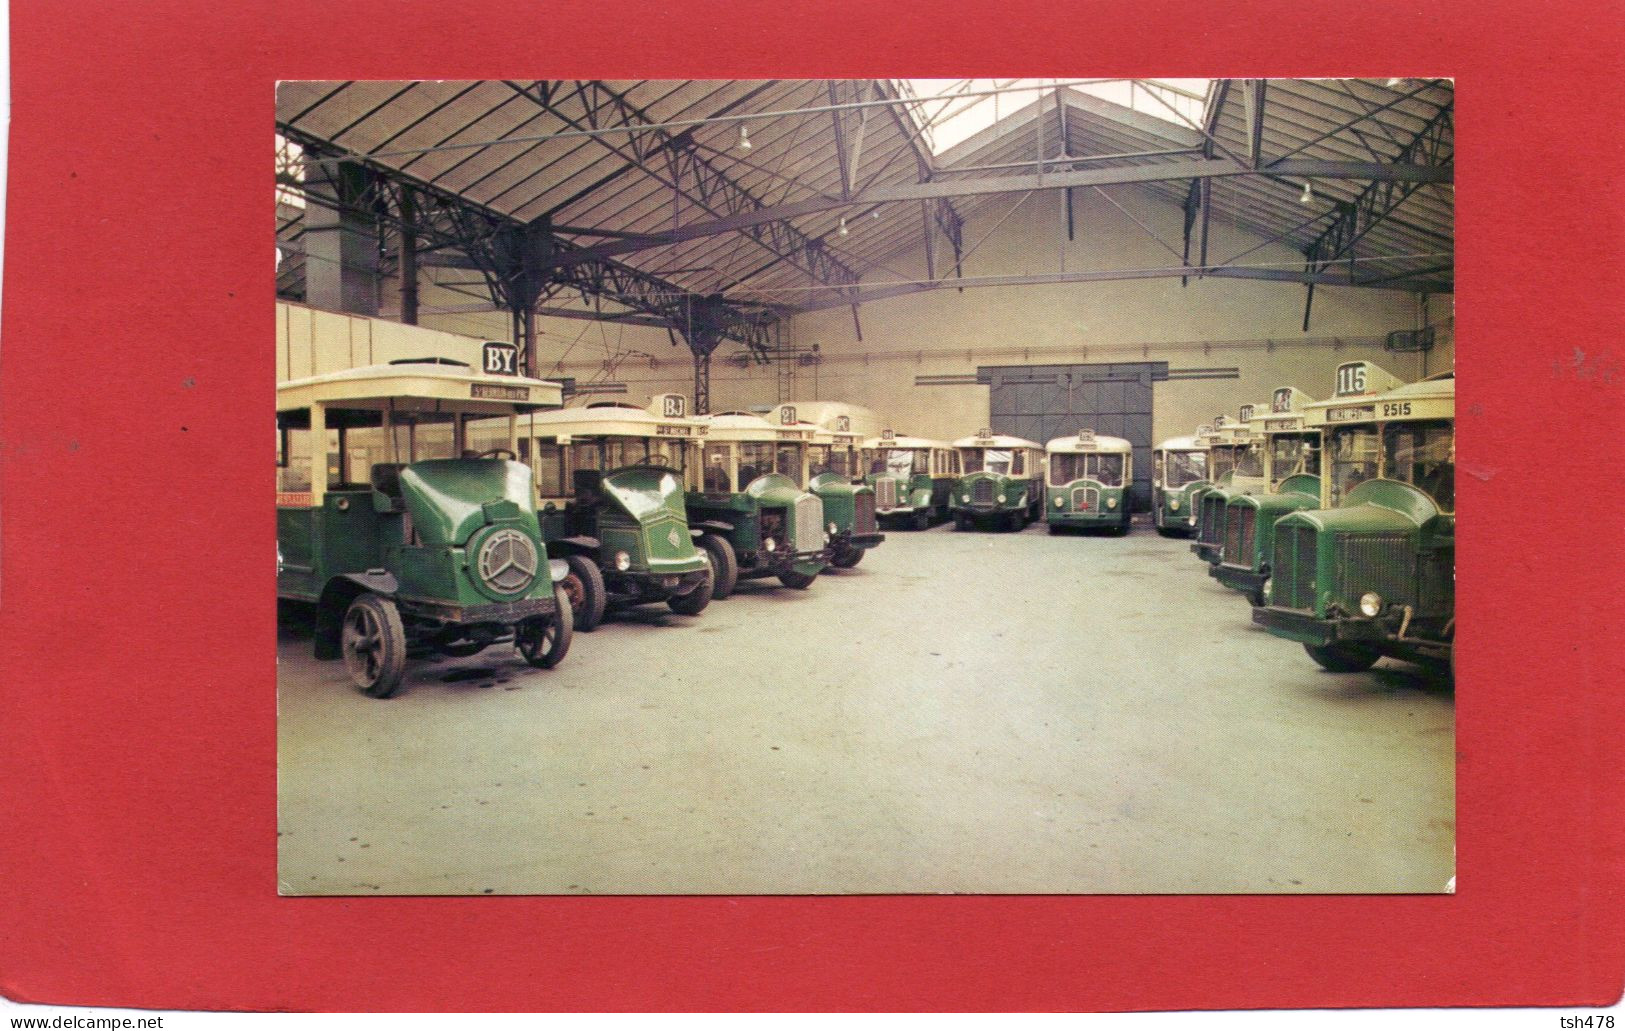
(420, 386)
(998, 440)
(1287, 413)
(1078, 445)
(611, 419)
(902, 443)
(861, 421)
(743, 426)
(1356, 382)
(1431, 398)
(1182, 444)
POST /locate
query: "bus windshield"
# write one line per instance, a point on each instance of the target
(1355, 454)
(1221, 459)
(755, 459)
(1107, 469)
(901, 461)
(1293, 454)
(1423, 454)
(789, 461)
(986, 460)
(1250, 461)
(1182, 467)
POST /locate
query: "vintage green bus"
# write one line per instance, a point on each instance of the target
(1179, 472)
(744, 497)
(829, 466)
(1238, 466)
(611, 501)
(405, 541)
(1001, 481)
(1087, 479)
(1291, 452)
(912, 477)
(1371, 573)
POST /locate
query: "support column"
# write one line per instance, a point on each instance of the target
(341, 243)
(408, 260)
(703, 328)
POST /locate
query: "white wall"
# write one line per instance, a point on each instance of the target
(1252, 325)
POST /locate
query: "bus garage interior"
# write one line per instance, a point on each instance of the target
(978, 711)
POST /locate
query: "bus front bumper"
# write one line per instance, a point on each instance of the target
(1207, 551)
(503, 613)
(855, 541)
(1238, 578)
(1309, 628)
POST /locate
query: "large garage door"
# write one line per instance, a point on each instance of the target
(1042, 402)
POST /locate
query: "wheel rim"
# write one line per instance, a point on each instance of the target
(538, 641)
(576, 591)
(363, 643)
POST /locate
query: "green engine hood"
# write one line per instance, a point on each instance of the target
(834, 485)
(773, 489)
(451, 498)
(1301, 483)
(1374, 506)
(646, 493)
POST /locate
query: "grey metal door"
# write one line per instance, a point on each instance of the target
(1042, 402)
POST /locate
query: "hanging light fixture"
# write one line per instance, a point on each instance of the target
(1394, 83)
(843, 229)
(1307, 195)
(744, 136)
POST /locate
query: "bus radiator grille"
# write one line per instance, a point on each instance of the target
(1293, 572)
(1085, 499)
(981, 492)
(809, 523)
(886, 494)
(1384, 563)
(863, 513)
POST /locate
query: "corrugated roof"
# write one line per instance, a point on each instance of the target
(523, 149)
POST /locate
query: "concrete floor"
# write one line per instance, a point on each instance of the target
(961, 713)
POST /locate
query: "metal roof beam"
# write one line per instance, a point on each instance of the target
(714, 190)
(936, 190)
(1172, 272)
(1377, 201)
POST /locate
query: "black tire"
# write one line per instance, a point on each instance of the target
(464, 650)
(922, 520)
(1256, 596)
(797, 581)
(373, 643)
(587, 594)
(1163, 531)
(545, 641)
(1125, 526)
(694, 602)
(1344, 658)
(1018, 522)
(962, 522)
(846, 558)
(724, 566)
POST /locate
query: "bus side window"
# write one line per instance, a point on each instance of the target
(716, 469)
(549, 469)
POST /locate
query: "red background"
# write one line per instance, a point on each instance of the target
(137, 773)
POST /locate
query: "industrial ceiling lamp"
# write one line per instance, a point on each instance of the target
(842, 230)
(1394, 83)
(744, 136)
(1307, 195)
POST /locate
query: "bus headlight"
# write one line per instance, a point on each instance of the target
(833, 530)
(1111, 502)
(1173, 505)
(623, 561)
(1265, 589)
(1060, 502)
(770, 544)
(1370, 603)
(1001, 499)
(965, 498)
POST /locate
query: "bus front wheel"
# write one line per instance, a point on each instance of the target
(545, 640)
(724, 567)
(374, 645)
(1344, 658)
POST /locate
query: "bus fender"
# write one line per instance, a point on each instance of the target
(578, 545)
(336, 598)
(713, 525)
